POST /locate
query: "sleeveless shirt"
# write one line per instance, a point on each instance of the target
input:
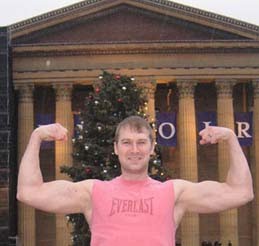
(132, 213)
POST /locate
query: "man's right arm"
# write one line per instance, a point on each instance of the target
(59, 196)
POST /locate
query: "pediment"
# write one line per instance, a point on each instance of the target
(128, 22)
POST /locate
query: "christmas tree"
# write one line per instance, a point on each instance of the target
(114, 98)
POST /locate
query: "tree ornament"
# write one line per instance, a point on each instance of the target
(124, 88)
(97, 89)
(117, 76)
(88, 170)
(119, 100)
(86, 147)
(96, 102)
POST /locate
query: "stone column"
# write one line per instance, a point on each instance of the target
(150, 89)
(256, 154)
(187, 138)
(26, 214)
(63, 151)
(225, 116)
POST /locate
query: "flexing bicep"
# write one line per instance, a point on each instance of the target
(209, 196)
(58, 196)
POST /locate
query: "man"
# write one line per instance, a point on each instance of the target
(134, 209)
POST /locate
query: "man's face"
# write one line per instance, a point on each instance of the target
(133, 149)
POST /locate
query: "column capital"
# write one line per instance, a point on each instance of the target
(225, 87)
(149, 87)
(256, 88)
(63, 91)
(25, 92)
(186, 87)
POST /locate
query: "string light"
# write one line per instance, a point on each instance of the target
(80, 127)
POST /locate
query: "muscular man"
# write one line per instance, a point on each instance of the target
(134, 209)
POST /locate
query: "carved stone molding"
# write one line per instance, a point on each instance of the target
(256, 88)
(63, 91)
(208, 17)
(225, 87)
(25, 92)
(186, 88)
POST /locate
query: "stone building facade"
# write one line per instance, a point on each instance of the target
(187, 59)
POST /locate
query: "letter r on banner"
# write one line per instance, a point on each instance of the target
(244, 128)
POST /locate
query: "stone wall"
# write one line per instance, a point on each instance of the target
(7, 148)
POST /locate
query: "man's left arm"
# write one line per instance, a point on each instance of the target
(212, 196)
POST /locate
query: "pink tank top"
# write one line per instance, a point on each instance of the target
(132, 213)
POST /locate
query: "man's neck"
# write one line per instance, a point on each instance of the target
(137, 177)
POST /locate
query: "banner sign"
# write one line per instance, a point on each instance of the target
(167, 129)
(206, 119)
(44, 119)
(244, 130)
(166, 132)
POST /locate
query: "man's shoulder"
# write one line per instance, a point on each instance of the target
(102, 183)
(179, 183)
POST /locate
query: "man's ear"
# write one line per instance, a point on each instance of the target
(115, 148)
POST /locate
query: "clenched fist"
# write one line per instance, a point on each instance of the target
(51, 132)
(215, 134)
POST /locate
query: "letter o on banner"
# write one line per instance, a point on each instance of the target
(170, 131)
